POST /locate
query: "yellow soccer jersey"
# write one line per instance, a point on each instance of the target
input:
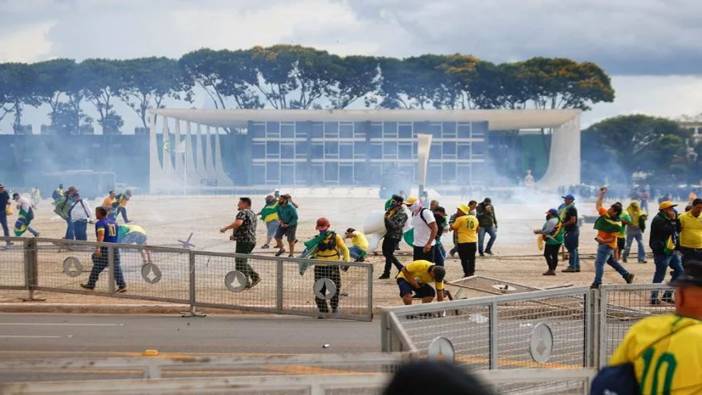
(672, 365)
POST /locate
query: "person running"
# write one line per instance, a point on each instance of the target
(666, 350)
(424, 228)
(634, 231)
(269, 215)
(134, 234)
(414, 278)
(244, 233)
(119, 206)
(662, 241)
(331, 248)
(691, 233)
(62, 207)
(287, 215)
(79, 214)
(552, 233)
(571, 238)
(5, 206)
(488, 225)
(465, 229)
(25, 215)
(395, 219)
(359, 244)
(105, 232)
(608, 225)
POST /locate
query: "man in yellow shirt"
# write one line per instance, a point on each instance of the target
(666, 350)
(108, 201)
(691, 233)
(465, 227)
(414, 278)
(359, 244)
(331, 247)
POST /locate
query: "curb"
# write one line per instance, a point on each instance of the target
(72, 308)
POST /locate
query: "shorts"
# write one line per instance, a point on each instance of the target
(272, 228)
(134, 238)
(621, 243)
(424, 291)
(288, 231)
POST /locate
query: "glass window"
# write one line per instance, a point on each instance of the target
(272, 149)
(405, 130)
(317, 151)
(449, 172)
(257, 130)
(359, 150)
(258, 150)
(449, 129)
(346, 174)
(287, 150)
(317, 130)
(375, 151)
(374, 174)
(287, 173)
(449, 149)
(479, 129)
(361, 175)
(376, 130)
(331, 172)
(479, 148)
(463, 172)
(331, 130)
(258, 174)
(434, 175)
(435, 151)
(273, 172)
(346, 151)
(346, 130)
(360, 129)
(463, 151)
(316, 173)
(273, 129)
(434, 128)
(390, 130)
(301, 170)
(301, 150)
(390, 150)
(463, 130)
(302, 129)
(287, 130)
(331, 149)
(405, 150)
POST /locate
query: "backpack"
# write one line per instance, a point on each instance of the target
(62, 208)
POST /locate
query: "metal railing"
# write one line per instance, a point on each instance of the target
(195, 278)
(562, 328)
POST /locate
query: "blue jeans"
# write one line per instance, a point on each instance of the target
(70, 233)
(271, 228)
(492, 231)
(632, 235)
(571, 241)
(439, 254)
(80, 230)
(605, 254)
(3, 222)
(356, 252)
(662, 263)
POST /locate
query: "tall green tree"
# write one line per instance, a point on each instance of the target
(18, 87)
(149, 81)
(618, 147)
(102, 81)
(53, 82)
(356, 78)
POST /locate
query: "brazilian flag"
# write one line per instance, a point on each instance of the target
(606, 224)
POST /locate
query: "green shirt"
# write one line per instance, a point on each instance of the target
(287, 214)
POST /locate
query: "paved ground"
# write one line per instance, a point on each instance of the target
(50, 335)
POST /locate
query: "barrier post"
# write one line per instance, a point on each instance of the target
(493, 335)
(369, 270)
(31, 271)
(111, 269)
(279, 285)
(192, 312)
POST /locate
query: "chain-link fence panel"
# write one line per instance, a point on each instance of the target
(63, 265)
(623, 306)
(12, 262)
(154, 273)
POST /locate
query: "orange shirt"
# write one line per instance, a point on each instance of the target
(607, 236)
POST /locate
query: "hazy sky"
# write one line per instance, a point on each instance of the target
(652, 49)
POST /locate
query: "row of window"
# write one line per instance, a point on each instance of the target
(363, 150)
(365, 130)
(360, 173)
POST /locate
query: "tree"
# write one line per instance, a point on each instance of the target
(54, 79)
(619, 146)
(102, 80)
(356, 77)
(148, 81)
(17, 88)
(416, 82)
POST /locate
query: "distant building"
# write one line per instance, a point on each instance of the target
(693, 124)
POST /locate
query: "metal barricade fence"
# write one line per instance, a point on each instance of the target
(564, 328)
(194, 278)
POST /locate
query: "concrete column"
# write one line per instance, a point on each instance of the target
(564, 158)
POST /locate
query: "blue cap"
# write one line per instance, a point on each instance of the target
(569, 197)
(552, 211)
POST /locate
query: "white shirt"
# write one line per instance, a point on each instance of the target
(23, 204)
(80, 212)
(422, 231)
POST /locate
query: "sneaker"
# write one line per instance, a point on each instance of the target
(88, 287)
(263, 247)
(570, 270)
(254, 282)
(549, 273)
(644, 261)
(481, 254)
(629, 278)
(489, 253)
(280, 252)
(384, 276)
(595, 286)
(291, 256)
(121, 290)
(624, 260)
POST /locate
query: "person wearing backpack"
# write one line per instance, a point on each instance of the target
(661, 354)
(425, 230)
(330, 248)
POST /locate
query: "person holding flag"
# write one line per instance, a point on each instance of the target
(608, 224)
(25, 215)
(269, 215)
(552, 234)
(330, 247)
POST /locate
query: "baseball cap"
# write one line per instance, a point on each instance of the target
(322, 223)
(691, 276)
(464, 208)
(411, 200)
(568, 197)
(666, 204)
(552, 211)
